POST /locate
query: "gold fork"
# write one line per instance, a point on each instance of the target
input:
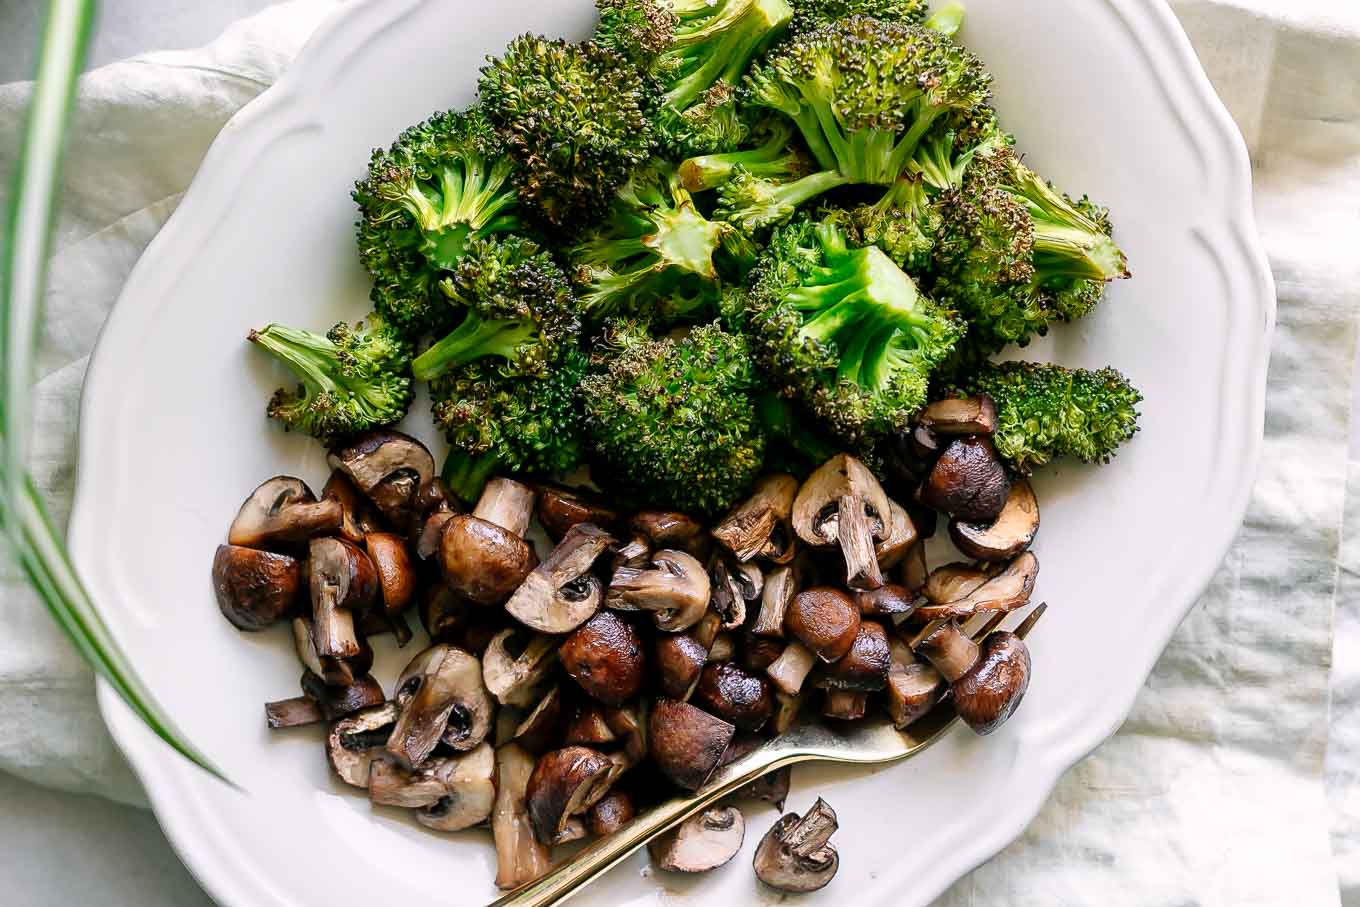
(863, 743)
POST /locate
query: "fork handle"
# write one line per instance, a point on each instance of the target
(569, 876)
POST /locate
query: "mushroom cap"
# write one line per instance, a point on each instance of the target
(668, 529)
(561, 508)
(725, 689)
(758, 653)
(816, 509)
(913, 686)
(845, 705)
(431, 534)
(396, 575)
(520, 858)
(588, 727)
(254, 588)
(914, 569)
(282, 512)
(1012, 532)
(891, 601)
(562, 783)
(794, 855)
(605, 658)
(865, 666)
(342, 582)
(679, 661)
(702, 842)
(762, 525)
(442, 698)
(1006, 590)
(358, 517)
(353, 742)
(610, 813)
(968, 481)
(543, 725)
(561, 593)
(677, 588)
(389, 468)
(961, 416)
(338, 701)
(482, 561)
(954, 581)
(825, 620)
(470, 792)
(686, 741)
(991, 690)
(515, 663)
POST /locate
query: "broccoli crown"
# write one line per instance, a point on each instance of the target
(497, 423)
(656, 257)
(903, 223)
(1014, 255)
(671, 421)
(403, 291)
(845, 330)
(714, 123)
(1047, 411)
(352, 379)
(811, 14)
(517, 306)
(775, 157)
(576, 119)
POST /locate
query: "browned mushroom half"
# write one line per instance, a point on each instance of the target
(563, 783)
(587, 727)
(338, 701)
(629, 724)
(462, 787)
(913, 685)
(845, 705)
(823, 619)
(389, 468)
(296, 712)
(542, 727)
(484, 554)
(679, 661)
(954, 581)
(787, 706)
(891, 550)
(1009, 534)
(892, 602)
(282, 512)
(520, 858)
(842, 503)
(686, 741)
(667, 529)
(762, 525)
(865, 666)
(431, 536)
(733, 694)
(343, 583)
(758, 652)
(334, 671)
(986, 681)
(443, 612)
(795, 855)
(396, 575)
(676, 587)
(442, 699)
(605, 658)
(960, 416)
(781, 585)
(724, 647)
(561, 508)
(610, 813)
(435, 496)
(515, 664)
(561, 593)
(352, 743)
(791, 668)
(771, 787)
(915, 571)
(702, 842)
(357, 514)
(968, 481)
(635, 553)
(1005, 591)
(727, 595)
(255, 589)
(705, 632)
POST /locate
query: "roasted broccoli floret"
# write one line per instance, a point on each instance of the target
(792, 443)
(1014, 254)
(774, 158)
(811, 14)
(1047, 411)
(845, 331)
(403, 289)
(671, 422)
(576, 119)
(903, 223)
(517, 307)
(498, 424)
(864, 93)
(656, 257)
(352, 379)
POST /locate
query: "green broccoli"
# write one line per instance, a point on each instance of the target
(812, 14)
(352, 378)
(1047, 411)
(671, 421)
(845, 331)
(775, 158)
(575, 117)
(499, 424)
(517, 306)
(903, 223)
(1014, 255)
(793, 444)
(403, 291)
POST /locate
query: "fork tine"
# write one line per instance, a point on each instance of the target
(1030, 620)
(991, 624)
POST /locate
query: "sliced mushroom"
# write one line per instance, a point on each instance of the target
(1009, 534)
(727, 690)
(561, 593)
(484, 554)
(561, 508)
(865, 666)
(357, 516)
(562, 783)
(842, 503)
(255, 589)
(334, 671)
(758, 653)
(987, 682)
(574, 830)
(953, 582)
(340, 701)
(635, 553)
(961, 416)
(667, 529)
(761, 526)
(726, 597)
(915, 571)
(605, 658)
(396, 575)
(791, 668)
(845, 705)
(587, 727)
(780, 588)
(795, 855)
(520, 858)
(610, 813)
(786, 709)
(542, 726)
(913, 686)
(890, 601)
(771, 787)
(686, 741)
(629, 723)
(679, 661)
(343, 583)
(470, 792)
(389, 468)
(702, 842)
(442, 698)
(823, 619)
(295, 712)
(892, 549)
(282, 512)
(353, 742)
(676, 587)
(515, 664)
(968, 481)
(453, 778)
(1006, 591)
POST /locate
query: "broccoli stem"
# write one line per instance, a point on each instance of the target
(773, 159)
(311, 356)
(466, 474)
(775, 202)
(474, 338)
(684, 238)
(723, 46)
(1067, 243)
(948, 19)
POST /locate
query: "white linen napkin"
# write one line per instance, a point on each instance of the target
(1213, 791)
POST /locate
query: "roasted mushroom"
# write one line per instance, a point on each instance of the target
(255, 589)
(484, 554)
(892, 549)
(357, 515)
(343, 583)
(282, 512)
(986, 681)
(520, 858)
(786, 709)
(470, 782)
(635, 553)
(795, 855)
(605, 658)
(564, 782)
(953, 582)
(396, 575)
(613, 811)
(686, 741)
(842, 503)
(792, 667)
(845, 705)
(339, 701)
(679, 661)
(758, 653)
(1005, 591)
(561, 508)
(702, 842)
(865, 666)
(442, 698)
(725, 689)
(891, 601)
(353, 742)
(1009, 534)
(543, 725)
(561, 593)
(667, 529)
(960, 416)
(781, 585)
(913, 685)
(676, 588)
(295, 712)
(729, 591)
(588, 726)
(771, 787)
(823, 619)
(761, 526)
(968, 481)
(444, 613)
(514, 665)
(389, 468)
(915, 571)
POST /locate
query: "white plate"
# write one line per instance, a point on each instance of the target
(1106, 97)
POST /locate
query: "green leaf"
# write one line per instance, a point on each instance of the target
(33, 540)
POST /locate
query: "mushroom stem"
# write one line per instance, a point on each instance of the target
(810, 834)
(946, 647)
(759, 526)
(333, 626)
(780, 587)
(507, 503)
(846, 705)
(293, 712)
(791, 668)
(857, 544)
(519, 857)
